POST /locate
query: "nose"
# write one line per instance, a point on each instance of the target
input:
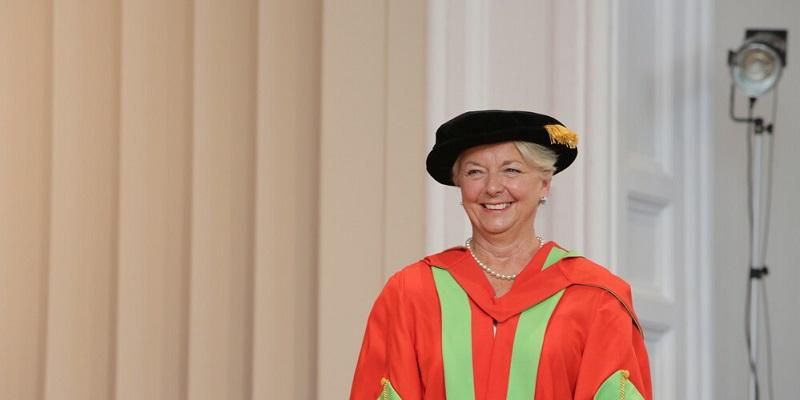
(494, 185)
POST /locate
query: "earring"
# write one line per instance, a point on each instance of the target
(543, 201)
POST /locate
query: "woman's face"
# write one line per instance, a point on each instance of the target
(499, 190)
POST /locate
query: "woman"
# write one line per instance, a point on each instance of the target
(507, 316)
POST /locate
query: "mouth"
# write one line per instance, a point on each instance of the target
(496, 206)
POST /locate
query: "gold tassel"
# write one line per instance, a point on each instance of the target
(385, 391)
(560, 134)
(622, 380)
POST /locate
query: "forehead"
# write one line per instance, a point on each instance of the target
(496, 152)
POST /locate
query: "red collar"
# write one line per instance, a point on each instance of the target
(530, 287)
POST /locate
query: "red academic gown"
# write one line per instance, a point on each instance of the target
(592, 332)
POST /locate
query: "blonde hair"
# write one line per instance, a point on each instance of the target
(535, 155)
(538, 156)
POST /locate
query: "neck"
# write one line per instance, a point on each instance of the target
(505, 253)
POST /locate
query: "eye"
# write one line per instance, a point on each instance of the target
(513, 171)
(473, 172)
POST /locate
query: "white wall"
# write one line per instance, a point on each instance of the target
(732, 17)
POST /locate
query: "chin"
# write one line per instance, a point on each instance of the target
(496, 229)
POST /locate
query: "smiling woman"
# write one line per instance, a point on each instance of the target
(501, 193)
(508, 315)
(495, 178)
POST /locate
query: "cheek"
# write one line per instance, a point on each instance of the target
(469, 192)
(524, 190)
(468, 196)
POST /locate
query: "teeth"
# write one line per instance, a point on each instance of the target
(500, 206)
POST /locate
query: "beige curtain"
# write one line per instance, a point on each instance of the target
(200, 199)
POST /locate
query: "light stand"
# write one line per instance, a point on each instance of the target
(755, 69)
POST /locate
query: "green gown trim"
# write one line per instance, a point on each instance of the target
(457, 337)
(388, 392)
(618, 387)
(527, 351)
(557, 254)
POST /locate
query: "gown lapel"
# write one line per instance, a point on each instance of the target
(532, 286)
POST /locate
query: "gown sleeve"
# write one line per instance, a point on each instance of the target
(387, 366)
(614, 364)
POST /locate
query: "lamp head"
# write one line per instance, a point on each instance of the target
(756, 66)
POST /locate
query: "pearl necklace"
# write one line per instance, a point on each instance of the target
(488, 269)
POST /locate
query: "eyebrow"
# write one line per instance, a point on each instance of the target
(502, 165)
(510, 162)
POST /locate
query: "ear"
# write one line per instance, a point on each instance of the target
(546, 181)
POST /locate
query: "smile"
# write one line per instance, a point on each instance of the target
(498, 206)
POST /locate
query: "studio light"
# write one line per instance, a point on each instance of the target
(756, 66)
